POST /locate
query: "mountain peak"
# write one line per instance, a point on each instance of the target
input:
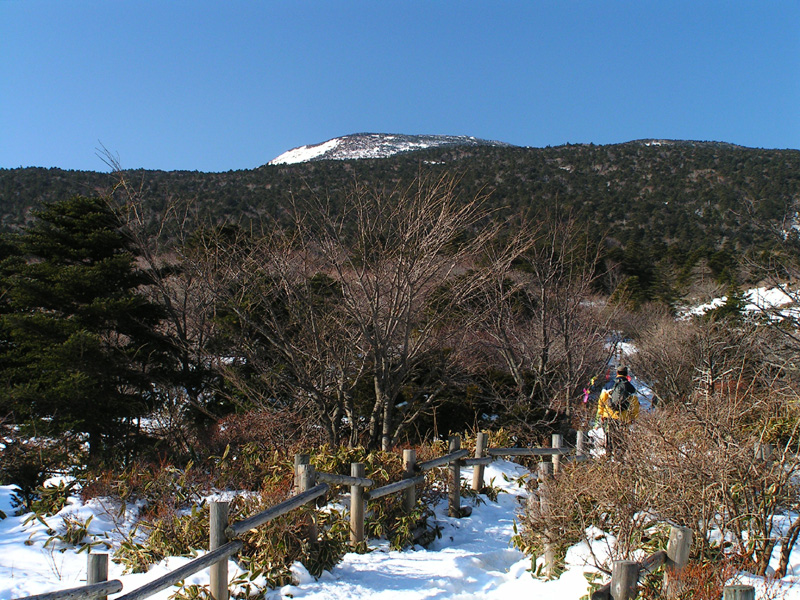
(374, 145)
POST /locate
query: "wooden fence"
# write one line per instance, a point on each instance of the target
(625, 574)
(310, 485)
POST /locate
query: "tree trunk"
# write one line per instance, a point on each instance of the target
(95, 446)
(328, 423)
(764, 554)
(388, 416)
(570, 375)
(350, 413)
(375, 417)
(787, 543)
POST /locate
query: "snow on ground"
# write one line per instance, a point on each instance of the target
(760, 299)
(473, 559)
(304, 153)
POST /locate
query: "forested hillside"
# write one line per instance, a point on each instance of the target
(674, 218)
(681, 195)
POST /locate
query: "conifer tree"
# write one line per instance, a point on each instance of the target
(79, 337)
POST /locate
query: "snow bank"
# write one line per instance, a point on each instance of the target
(473, 559)
(760, 299)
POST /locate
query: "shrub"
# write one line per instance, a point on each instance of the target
(27, 463)
(588, 502)
(45, 501)
(270, 550)
(168, 527)
(250, 467)
(386, 517)
(158, 488)
(73, 532)
(284, 432)
(166, 534)
(691, 463)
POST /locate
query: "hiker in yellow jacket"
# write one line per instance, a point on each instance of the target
(617, 406)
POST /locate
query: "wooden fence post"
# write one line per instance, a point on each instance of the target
(308, 476)
(680, 542)
(739, 592)
(481, 441)
(624, 580)
(217, 523)
(454, 468)
(409, 494)
(356, 506)
(545, 477)
(580, 444)
(556, 443)
(97, 570)
(299, 459)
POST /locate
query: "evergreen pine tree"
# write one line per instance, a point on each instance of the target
(79, 338)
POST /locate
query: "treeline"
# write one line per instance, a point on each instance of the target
(391, 316)
(670, 214)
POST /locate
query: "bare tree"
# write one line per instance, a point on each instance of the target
(540, 322)
(667, 354)
(682, 357)
(291, 334)
(402, 258)
(362, 289)
(176, 282)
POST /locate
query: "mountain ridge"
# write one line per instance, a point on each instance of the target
(376, 145)
(358, 146)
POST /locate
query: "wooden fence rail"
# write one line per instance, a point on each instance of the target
(198, 564)
(254, 521)
(397, 486)
(310, 485)
(529, 451)
(344, 480)
(442, 460)
(78, 593)
(626, 573)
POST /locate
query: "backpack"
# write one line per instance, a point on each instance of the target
(618, 399)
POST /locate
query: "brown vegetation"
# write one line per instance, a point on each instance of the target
(719, 455)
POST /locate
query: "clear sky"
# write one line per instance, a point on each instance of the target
(213, 86)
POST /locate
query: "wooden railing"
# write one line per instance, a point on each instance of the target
(310, 485)
(626, 573)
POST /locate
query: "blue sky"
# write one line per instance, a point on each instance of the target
(213, 86)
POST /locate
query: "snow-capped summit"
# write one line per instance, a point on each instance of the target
(374, 145)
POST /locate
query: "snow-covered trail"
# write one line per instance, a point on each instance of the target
(473, 559)
(469, 560)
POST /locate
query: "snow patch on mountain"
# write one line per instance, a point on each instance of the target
(375, 145)
(758, 300)
(305, 153)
